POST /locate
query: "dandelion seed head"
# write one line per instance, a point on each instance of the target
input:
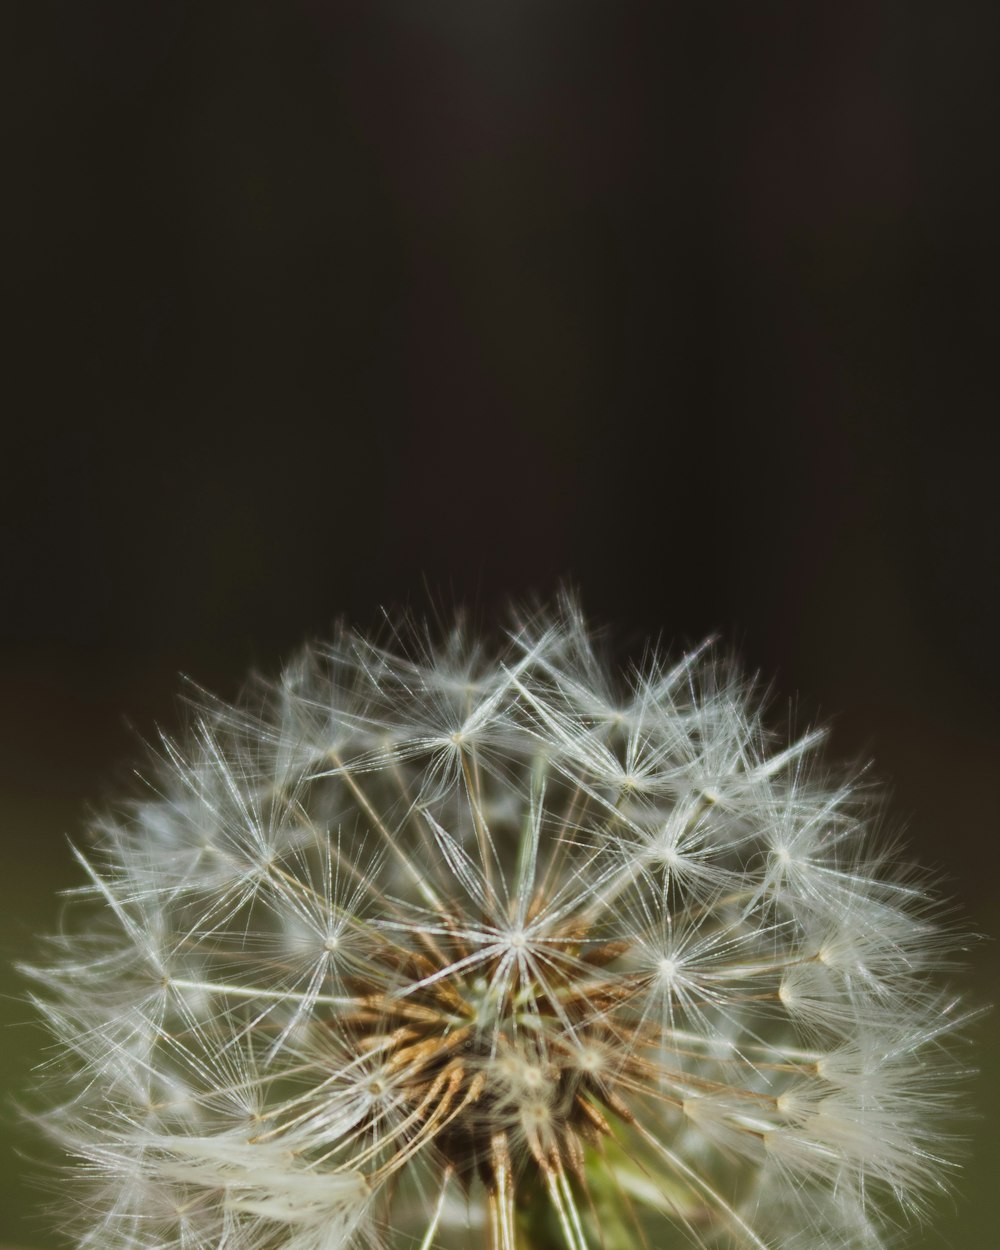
(428, 940)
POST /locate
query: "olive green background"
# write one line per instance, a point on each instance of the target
(319, 307)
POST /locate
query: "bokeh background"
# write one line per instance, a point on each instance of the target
(322, 307)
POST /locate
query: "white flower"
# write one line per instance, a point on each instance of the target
(447, 947)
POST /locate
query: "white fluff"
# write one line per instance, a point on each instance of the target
(418, 944)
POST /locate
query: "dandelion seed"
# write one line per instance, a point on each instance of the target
(427, 948)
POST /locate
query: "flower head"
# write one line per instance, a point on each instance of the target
(432, 946)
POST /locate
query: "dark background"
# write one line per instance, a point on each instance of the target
(318, 307)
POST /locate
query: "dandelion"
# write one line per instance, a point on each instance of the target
(434, 945)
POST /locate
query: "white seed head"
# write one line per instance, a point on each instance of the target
(441, 945)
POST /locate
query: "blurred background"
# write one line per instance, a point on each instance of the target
(322, 307)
